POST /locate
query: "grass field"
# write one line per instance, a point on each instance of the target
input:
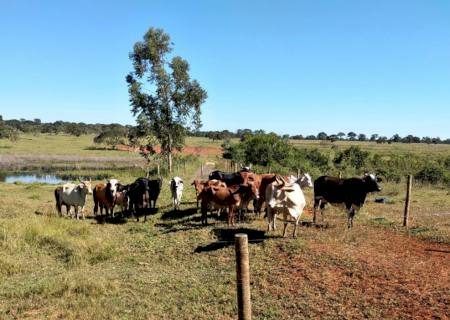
(171, 267)
(396, 148)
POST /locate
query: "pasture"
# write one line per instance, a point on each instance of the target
(173, 267)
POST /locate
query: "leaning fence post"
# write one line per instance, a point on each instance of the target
(407, 201)
(243, 277)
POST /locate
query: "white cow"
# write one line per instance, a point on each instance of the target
(176, 188)
(72, 195)
(286, 198)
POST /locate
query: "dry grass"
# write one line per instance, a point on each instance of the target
(171, 267)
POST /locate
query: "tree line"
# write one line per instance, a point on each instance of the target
(341, 136)
(115, 133)
(272, 153)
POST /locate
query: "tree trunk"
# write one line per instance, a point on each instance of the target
(169, 161)
(169, 155)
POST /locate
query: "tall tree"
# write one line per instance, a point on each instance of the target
(163, 93)
(351, 135)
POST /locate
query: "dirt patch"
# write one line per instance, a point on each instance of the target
(387, 275)
(186, 150)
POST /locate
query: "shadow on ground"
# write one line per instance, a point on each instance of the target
(123, 217)
(225, 238)
(178, 214)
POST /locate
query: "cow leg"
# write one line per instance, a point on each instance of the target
(322, 209)
(82, 212)
(95, 208)
(317, 203)
(269, 219)
(204, 211)
(351, 214)
(285, 226)
(76, 212)
(294, 235)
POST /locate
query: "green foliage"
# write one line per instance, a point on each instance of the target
(270, 150)
(112, 135)
(353, 156)
(8, 132)
(162, 93)
(431, 173)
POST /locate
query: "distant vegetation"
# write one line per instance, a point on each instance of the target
(351, 136)
(269, 152)
(10, 129)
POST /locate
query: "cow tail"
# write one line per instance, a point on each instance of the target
(58, 200)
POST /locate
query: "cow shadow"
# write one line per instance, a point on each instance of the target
(226, 238)
(178, 214)
(104, 219)
(124, 216)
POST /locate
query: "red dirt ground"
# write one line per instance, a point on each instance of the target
(186, 150)
(370, 273)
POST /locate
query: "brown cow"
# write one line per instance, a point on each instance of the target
(231, 197)
(104, 196)
(200, 185)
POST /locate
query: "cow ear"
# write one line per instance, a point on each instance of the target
(379, 179)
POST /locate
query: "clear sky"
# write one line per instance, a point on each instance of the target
(297, 67)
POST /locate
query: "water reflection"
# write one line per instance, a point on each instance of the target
(31, 178)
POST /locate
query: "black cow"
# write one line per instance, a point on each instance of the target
(153, 188)
(350, 192)
(141, 193)
(231, 179)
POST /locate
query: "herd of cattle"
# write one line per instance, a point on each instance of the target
(233, 191)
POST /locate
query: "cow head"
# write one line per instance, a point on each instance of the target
(86, 185)
(176, 183)
(113, 183)
(371, 182)
(305, 180)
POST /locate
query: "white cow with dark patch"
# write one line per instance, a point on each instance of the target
(176, 188)
(72, 195)
(286, 197)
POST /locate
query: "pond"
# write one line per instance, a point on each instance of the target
(31, 178)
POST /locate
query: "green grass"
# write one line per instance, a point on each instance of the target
(173, 268)
(61, 144)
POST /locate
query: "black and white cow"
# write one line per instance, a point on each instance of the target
(350, 192)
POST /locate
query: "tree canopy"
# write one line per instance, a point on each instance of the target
(162, 94)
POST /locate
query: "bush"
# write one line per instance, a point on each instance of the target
(431, 174)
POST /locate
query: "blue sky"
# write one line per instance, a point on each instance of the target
(297, 67)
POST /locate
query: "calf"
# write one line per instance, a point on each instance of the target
(121, 197)
(287, 198)
(72, 195)
(176, 188)
(199, 185)
(349, 192)
(230, 197)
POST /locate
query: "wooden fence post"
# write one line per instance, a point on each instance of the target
(407, 201)
(243, 277)
(298, 173)
(158, 169)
